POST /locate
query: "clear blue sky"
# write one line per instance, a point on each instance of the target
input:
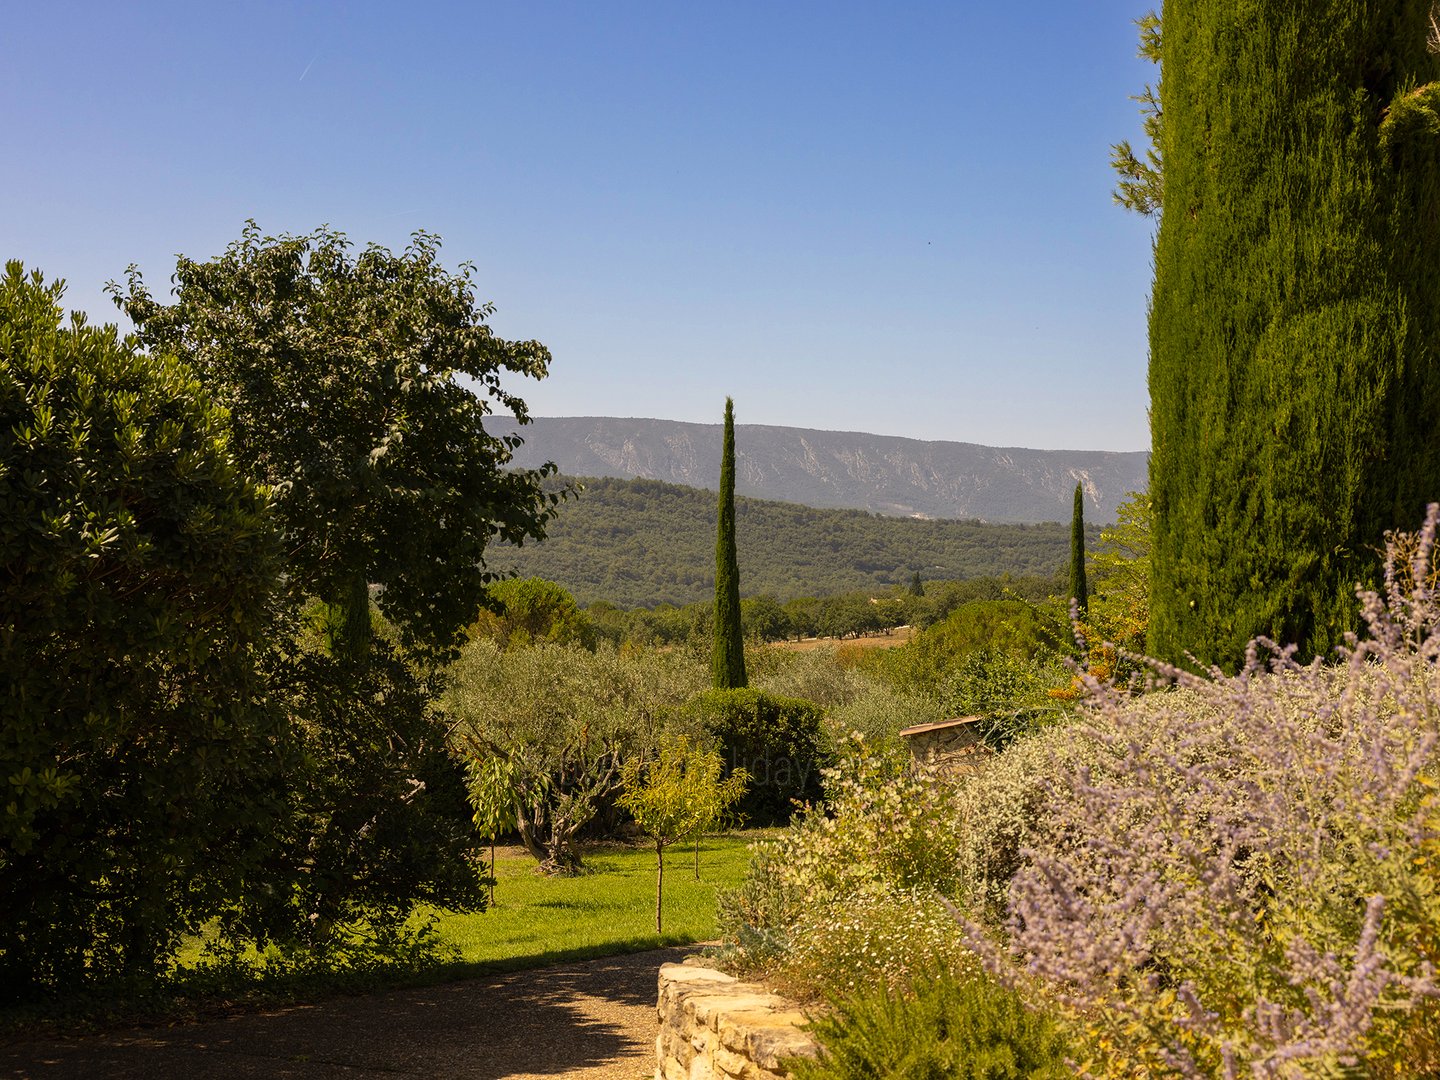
(891, 218)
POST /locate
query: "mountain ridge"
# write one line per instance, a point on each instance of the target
(886, 474)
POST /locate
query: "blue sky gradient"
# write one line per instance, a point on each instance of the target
(848, 216)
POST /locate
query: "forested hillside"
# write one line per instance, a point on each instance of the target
(644, 542)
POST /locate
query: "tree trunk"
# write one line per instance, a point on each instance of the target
(347, 622)
(659, 880)
(526, 826)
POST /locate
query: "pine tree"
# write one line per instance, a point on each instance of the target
(1295, 389)
(1078, 590)
(727, 663)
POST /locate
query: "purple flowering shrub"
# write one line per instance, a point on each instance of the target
(1245, 883)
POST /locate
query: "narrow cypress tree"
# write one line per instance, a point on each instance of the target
(727, 663)
(1295, 388)
(1079, 592)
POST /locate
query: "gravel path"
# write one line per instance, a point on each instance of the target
(592, 1020)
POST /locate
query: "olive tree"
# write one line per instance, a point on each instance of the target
(565, 720)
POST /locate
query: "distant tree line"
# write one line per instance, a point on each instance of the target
(532, 610)
(644, 543)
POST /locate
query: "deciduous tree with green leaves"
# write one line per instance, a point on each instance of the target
(1120, 568)
(357, 385)
(678, 795)
(525, 611)
(491, 782)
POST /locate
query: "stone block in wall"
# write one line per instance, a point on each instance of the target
(715, 1027)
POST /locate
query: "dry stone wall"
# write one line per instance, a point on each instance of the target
(714, 1027)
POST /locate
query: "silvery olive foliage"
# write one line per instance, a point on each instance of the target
(565, 720)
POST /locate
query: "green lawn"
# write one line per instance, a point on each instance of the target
(608, 909)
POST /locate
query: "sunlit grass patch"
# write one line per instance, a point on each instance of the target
(610, 908)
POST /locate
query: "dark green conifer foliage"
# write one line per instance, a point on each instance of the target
(1078, 590)
(1294, 353)
(727, 663)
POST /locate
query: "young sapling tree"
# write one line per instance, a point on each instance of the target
(676, 796)
(491, 782)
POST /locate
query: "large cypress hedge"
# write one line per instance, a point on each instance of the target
(1295, 359)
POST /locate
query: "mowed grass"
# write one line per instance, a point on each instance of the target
(607, 909)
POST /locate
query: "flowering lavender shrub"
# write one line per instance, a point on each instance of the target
(996, 811)
(1248, 885)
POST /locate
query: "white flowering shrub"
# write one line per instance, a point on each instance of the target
(996, 811)
(883, 829)
(879, 936)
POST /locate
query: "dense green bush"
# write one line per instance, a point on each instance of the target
(777, 740)
(1009, 694)
(375, 818)
(138, 752)
(966, 1028)
(1013, 628)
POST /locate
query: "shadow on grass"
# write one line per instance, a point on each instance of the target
(554, 1021)
(204, 996)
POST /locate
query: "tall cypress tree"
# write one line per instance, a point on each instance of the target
(1294, 352)
(1079, 592)
(727, 662)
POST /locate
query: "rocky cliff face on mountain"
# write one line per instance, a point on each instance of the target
(880, 473)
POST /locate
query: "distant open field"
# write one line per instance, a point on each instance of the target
(887, 640)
